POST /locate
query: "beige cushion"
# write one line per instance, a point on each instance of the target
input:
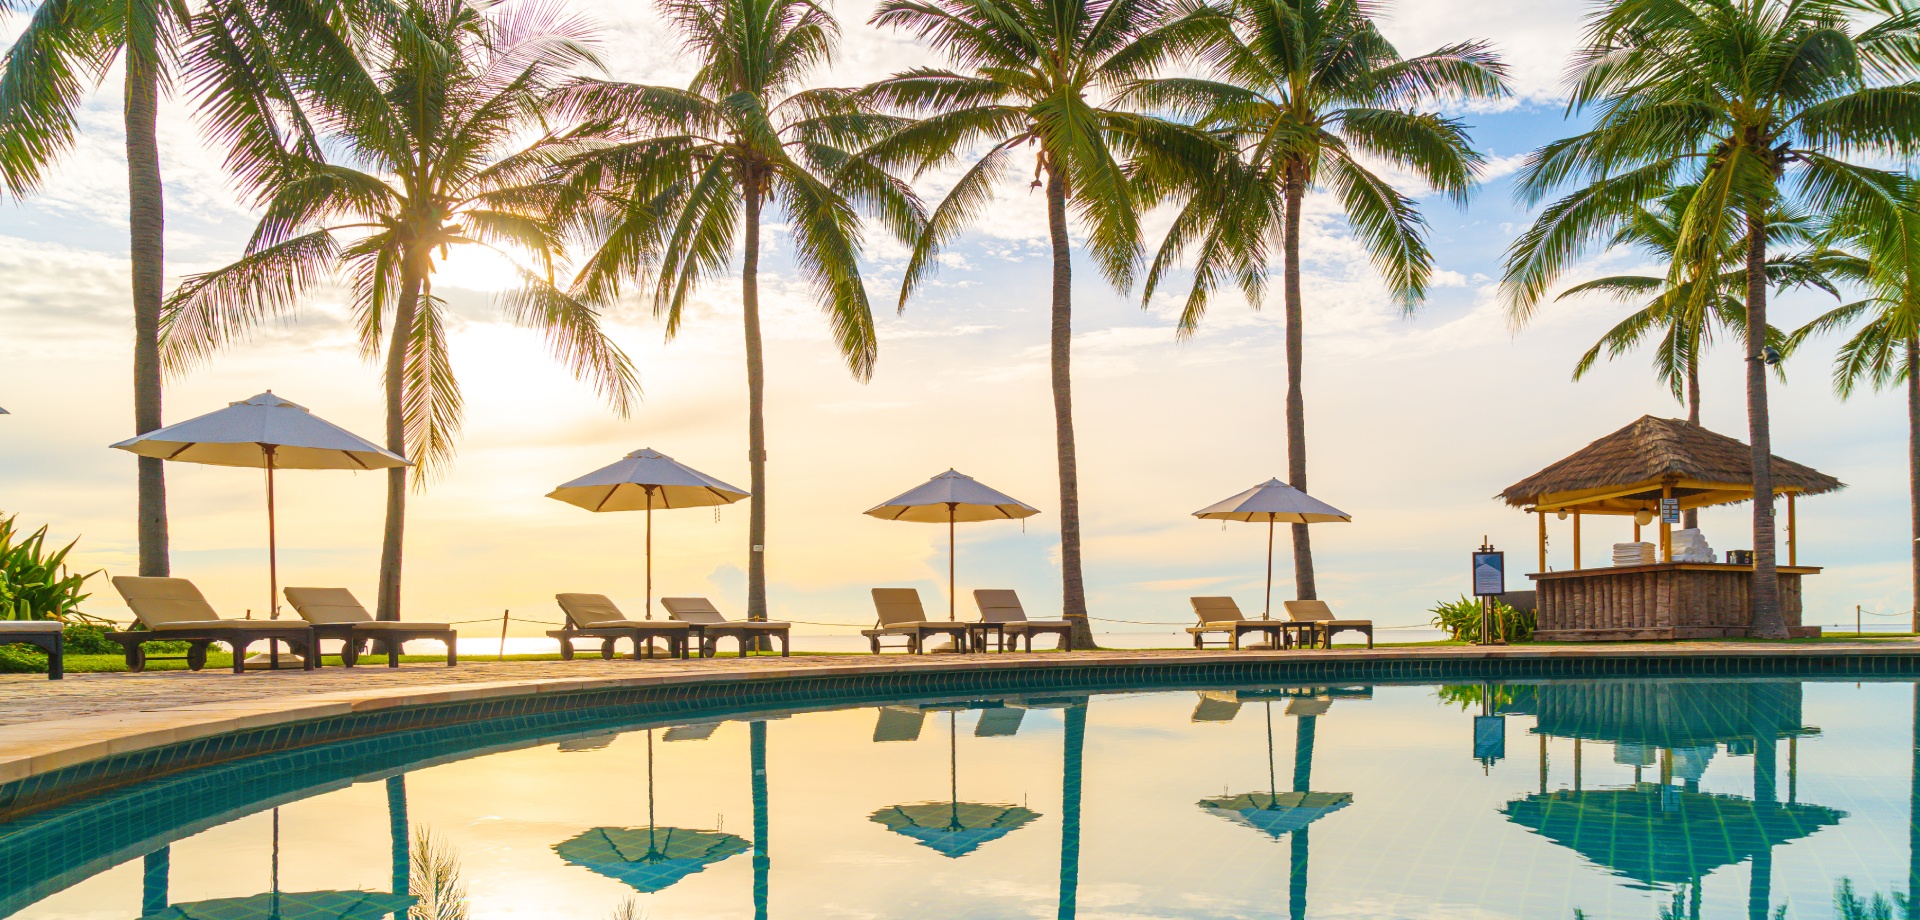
(327, 605)
(159, 602)
(1214, 611)
(192, 625)
(1309, 611)
(898, 606)
(30, 626)
(591, 610)
(692, 610)
(388, 625)
(999, 605)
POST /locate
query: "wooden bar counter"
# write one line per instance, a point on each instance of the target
(1682, 600)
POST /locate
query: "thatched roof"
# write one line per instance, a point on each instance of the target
(1652, 450)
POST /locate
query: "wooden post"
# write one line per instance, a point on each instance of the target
(1576, 765)
(1636, 529)
(1543, 764)
(1666, 529)
(1543, 541)
(1576, 541)
(1793, 545)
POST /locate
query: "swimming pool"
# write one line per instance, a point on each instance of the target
(1709, 797)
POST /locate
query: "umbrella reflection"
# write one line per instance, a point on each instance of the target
(651, 858)
(952, 828)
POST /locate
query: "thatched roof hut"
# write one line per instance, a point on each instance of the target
(1627, 472)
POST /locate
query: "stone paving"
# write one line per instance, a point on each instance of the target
(28, 698)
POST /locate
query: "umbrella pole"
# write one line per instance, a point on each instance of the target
(273, 549)
(1266, 612)
(951, 599)
(953, 766)
(649, 558)
(1273, 785)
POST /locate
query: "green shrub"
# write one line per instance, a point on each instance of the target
(1461, 620)
(34, 582)
(88, 639)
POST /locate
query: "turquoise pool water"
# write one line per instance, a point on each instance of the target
(1613, 798)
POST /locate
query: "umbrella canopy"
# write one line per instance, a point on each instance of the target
(1276, 814)
(642, 481)
(950, 498)
(953, 829)
(1664, 835)
(1272, 502)
(265, 432)
(649, 859)
(292, 905)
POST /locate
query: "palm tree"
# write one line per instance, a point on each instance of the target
(1307, 92)
(1756, 102)
(1685, 323)
(1885, 350)
(695, 170)
(1035, 74)
(433, 155)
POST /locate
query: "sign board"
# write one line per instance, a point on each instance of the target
(1670, 511)
(1489, 573)
(1489, 738)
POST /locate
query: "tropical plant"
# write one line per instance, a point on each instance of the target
(34, 581)
(435, 880)
(1309, 94)
(1038, 73)
(1757, 102)
(444, 138)
(1884, 351)
(693, 172)
(1461, 620)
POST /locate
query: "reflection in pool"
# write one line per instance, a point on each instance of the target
(1642, 798)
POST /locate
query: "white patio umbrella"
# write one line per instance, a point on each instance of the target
(647, 479)
(265, 432)
(952, 498)
(1274, 502)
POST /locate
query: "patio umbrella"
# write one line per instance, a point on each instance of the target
(650, 858)
(951, 498)
(1274, 502)
(644, 480)
(265, 432)
(953, 828)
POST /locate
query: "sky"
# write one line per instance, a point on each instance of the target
(1413, 422)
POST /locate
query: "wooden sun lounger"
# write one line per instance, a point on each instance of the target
(709, 626)
(594, 616)
(1321, 616)
(1001, 613)
(900, 614)
(1221, 616)
(173, 610)
(44, 635)
(334, 613)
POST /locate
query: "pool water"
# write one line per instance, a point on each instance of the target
(1632, 798)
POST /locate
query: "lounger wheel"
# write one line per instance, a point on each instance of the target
(350, 652)
(196, 656)
(566, 650)
(606, 650)
(136, 659)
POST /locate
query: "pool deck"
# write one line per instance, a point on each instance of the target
(47, 725)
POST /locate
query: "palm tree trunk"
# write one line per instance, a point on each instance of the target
(1073, 756)
(1767, 622)
(762, 857)
(411, 279)
(1073, 590)
(1691, 518)
(1913, 466)
(756, 408)
(1296, 180)
(1302, 849)
(146, 222)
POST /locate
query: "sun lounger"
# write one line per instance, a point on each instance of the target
(1216, 706)
(898, 723)
(900, 614)
(709, 626)
(593, 616)
(1221, 616)
(1001, 612)
(334, 613)
(44, 635)
(173, 610)
(1321, 616)
(999, 723)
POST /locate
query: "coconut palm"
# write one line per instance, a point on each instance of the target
(436, 156)
(695, 170)
(1884, 351)
(1759, 103)
(1036, 72)
(1310, 93)
(44, 76)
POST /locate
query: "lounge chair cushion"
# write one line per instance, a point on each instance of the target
(361, 626)
(999, 605)
(592, 611)
(898, 607)
(1318, 612)
(327, 605)
(30, 626)
(1215, 611)
(193, 625)
(692, 610)
(159, 602)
